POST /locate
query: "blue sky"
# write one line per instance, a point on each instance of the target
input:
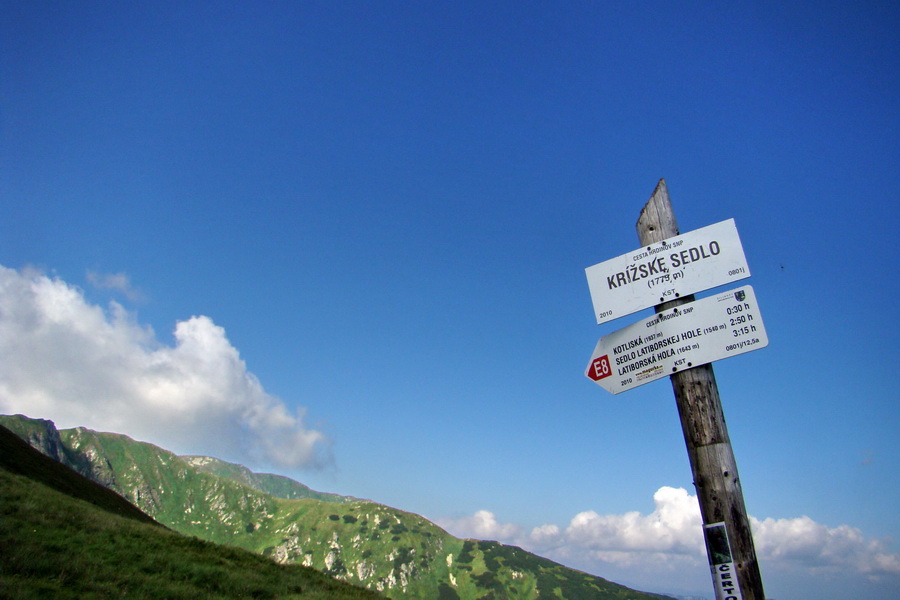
(346, 242)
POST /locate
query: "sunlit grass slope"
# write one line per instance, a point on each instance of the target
(55, 545)
(397, 553)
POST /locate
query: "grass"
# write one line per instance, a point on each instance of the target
(54, 545)
(16, 456)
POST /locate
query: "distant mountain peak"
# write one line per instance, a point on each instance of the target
(269, 483)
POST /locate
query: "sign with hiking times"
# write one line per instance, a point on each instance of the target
(679, 338)
(691, 262)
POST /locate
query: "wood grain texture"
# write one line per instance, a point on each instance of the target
(703, 423)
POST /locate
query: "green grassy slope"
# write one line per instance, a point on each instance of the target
(17, 457)
(400, 554)
(56, 545)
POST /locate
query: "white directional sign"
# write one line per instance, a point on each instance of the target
(686, 336)
(681, 265)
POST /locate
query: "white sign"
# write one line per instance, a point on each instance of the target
(681, 265)
(679, 338)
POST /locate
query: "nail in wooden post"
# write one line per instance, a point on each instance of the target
(705, 435)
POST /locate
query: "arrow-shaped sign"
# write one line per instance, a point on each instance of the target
(686, 336)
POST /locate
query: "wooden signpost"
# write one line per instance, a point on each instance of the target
(732, 557)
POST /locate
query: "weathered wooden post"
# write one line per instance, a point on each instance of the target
(708, 445)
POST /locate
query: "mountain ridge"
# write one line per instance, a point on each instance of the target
(66, 537)
(388, 550)
(19, 457)
(268, 483)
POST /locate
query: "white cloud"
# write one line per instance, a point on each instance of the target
(666, 545)
(673, 527)
(804, 542)
(641, 551)
(483, 525)
(65, 359)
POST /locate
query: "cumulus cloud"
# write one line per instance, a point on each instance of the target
(483, 525)
(674, 527)
(640, 547)
(804, 542)
(66, 359)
